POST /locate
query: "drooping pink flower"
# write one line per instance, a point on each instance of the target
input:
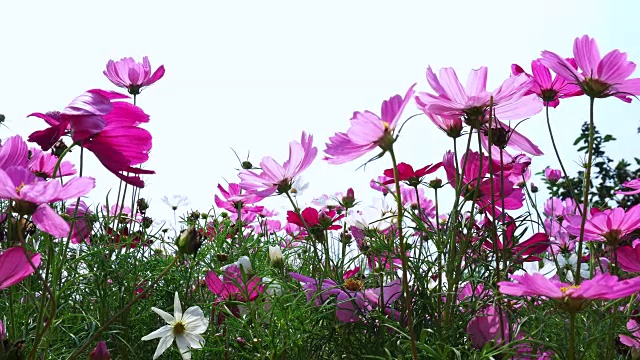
(571, 297)
(552, 175)
(598, 77)
(548, 89)
(235, 198)
(31, 196)
(486, 325)
(504, 136)
(107, 128)
(450, 125)
(101, 352)
(610, 225)
(633, 184)
(43, 164)
(131, 75)
(279, 178)
(451, 99)
(368, 131)
(81, 224)
(14, 266)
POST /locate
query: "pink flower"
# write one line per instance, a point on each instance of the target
(232, 286)
(14, 267)
(101, 352)
(632, 341)
(368, 131)
(629, 257)
(552, 175)
(407, 174)
(235, 199)
(547, 89)
(452, 126)
(14, 152)
(485, 327)
(108, 129)
(81, 225)
(609, 225)
(32, 196)
(279, 178)
(377, 184)
(572, 298)
(3, 333)
(633, 184)
(599, 77)
(451, 99)
(413, 199)
(316, 220)
(43, 164)
(131, 75)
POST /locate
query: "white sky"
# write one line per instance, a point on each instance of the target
(253, 75)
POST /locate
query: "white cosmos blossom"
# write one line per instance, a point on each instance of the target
(184, 328)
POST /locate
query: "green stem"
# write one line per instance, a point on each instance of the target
(572, 336)
(587, 185)
(403, 257)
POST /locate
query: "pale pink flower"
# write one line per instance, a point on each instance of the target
(552, 175)
(451, 99)
(452, 126)
(486, 325)
(14, 152)
(279, 178)
(44, 163)
(368, 131)
(32, 195)
(633, 184)
(14, 267)
(599, 77)
(548, 89)
(131, 75)
(236, 199)
(610, 225)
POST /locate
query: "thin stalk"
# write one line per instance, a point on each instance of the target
(587, 185)
(572, 336)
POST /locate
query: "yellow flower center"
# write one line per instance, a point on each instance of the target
(567, 288)
(178, 328)
(19, 187)
(353, 284)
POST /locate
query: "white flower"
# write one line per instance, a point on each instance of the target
(275, 257)
(184, 328)
(533, 267)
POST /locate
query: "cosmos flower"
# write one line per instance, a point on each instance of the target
(131, 75)
(82, 225)
(32, 195)
(280, 178)
(610, 225)
(43, 164)
(407, 174)
(14, 267)
(633, 184)
(548, 89)
(184, 328)
(368, 131)
(599, 77)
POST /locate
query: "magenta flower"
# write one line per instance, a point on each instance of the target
(368, 131)
(629, 257)
(377, 184)
(410, 176)
(316, 220)
(131, 75)
(279, 178)
(14, 152)
(451, 99)
(101, 352)
(633, 184)
(108, 129)
(235, 199)
(32, 196)
(548, 89)
(552, 175)
(3, 333)
(632, 341)
(232, 286)
(485, 327)
(81, 224)
(599, 77)
(44, 163)
(504, 136)
(572, 298)
(610, 225)
(14, 266)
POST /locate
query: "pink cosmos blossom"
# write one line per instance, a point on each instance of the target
(368, 131)
(279, 178)
(408, 175)
(236, 198)
(43, 164)
(450, 125)
(316, 220)
(14, 267)
(107, 128)
(410, 198)
(32, 196)
(599, 77)
(552, 175)
(14, 152)
(632, 341)
(485, 327)
(472, 102)
(131, 75)
(633, 184)
(504, 136)
(548, 89)
(610, 225)
(231, 288)
(377, 184)
(629, 257)
(572, 297)
(351, 297)
(515, 168)
(82, 224)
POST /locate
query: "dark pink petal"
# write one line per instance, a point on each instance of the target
(14, 266)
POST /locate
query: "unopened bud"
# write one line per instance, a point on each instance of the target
(435, 183)
(59, 148)
(534, 188)
(100, 352)
(276, 257)
(143, 205)
(189, 241)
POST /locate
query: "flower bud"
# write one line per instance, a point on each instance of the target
(189, 241)
(552, 175)
(143, 205)
(534, 188)
(349, 200)
(276, 257)
(100, 352)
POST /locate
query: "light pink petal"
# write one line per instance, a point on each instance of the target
(614, 68)
(477, 82)
(50, 222)
(585, 51)
(451, 84)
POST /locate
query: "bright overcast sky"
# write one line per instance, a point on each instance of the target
(253, 75)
